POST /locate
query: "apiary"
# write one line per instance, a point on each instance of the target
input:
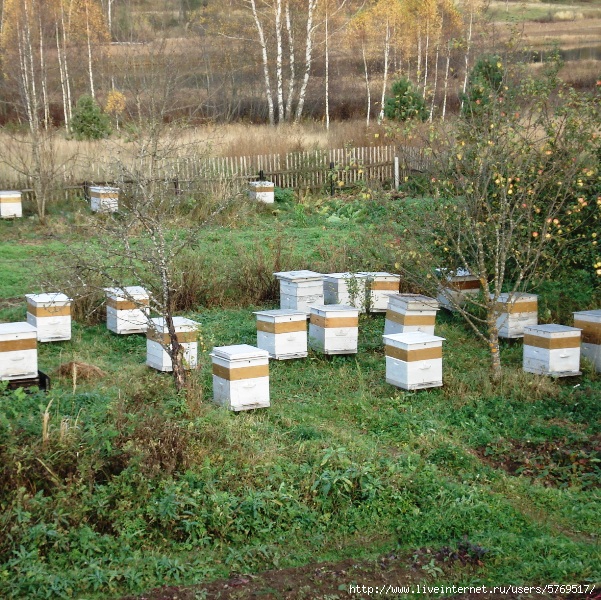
(516, 311)
(283, 333)
(345, 288)
(104, 199)
(299, 290)
(262, 191)
(334, 329)
(382, 286)
(410, 312)
(413, 360)
(50, 314)
(127, 309)
(240, 377)
(10, 205)
(157, 339)
(456, 288)
(552, 350)
(590, 323)
(18, 351)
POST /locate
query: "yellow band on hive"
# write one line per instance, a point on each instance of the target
(334, 322)
(409, 319)
(591, 332)
(263, 189)
(10, 200)
(285, 327)
(13, 345)
(413, 355)
(513, 308)
(183, 337)
(49, 311)
(127, 304)
(240, 372)
(552, 343)
(470, 284)
(392, 286)
(105, 195)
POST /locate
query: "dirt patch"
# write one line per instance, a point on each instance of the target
(564, 462)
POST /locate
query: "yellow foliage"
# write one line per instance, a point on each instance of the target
(115, 103)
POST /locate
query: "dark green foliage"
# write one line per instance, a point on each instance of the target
(89, 122)
(406, 103)
(485, 83)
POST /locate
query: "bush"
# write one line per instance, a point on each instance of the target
(406, 103)
(89, 122)
(484, 84)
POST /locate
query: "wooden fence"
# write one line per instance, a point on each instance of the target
(297, 170)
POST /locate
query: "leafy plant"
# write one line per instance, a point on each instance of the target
(405, 103)
(89, 122)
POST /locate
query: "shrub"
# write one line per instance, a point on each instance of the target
(405, 103)
(484, 84)
(89, 122)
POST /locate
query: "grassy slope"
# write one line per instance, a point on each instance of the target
(341, 465)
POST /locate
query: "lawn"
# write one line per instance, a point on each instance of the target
(137, 487)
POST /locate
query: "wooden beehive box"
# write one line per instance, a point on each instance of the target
(382, 285)
(413, 360)
(334, 329)
(50, 314)
(18, 351)
(454, 291)
(516, 311)
(104, 199)
(262, 191)
(300, 290)
(127, 310)
(345, 288)
(10, 204)
(283, 333)
(590, 323)
(240, 377)
(410, 312)
(552, 350)
(157, 338)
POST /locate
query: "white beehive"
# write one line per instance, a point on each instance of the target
(552, 350)
(50, 314)
(334, 329)
(283, 333)
(410, 312)
(157, 339)
(456, 288)
(413, 360)
(240, 377)
(10, 205)
(104, 199)
(262, 191)
(18, 351)
(383, 285)
(345, 288)
(590, 323)
(300, 290)
(127, 310)
(516, 311)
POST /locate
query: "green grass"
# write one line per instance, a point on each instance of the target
(145, 488)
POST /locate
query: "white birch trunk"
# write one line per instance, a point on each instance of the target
(327, 73)
(446, 81)
(61, 70)
(385, 78)
(279, 76)
(435, 87)
(308, 58)
(263, 45)
(366, 84)
(426, 58)
(43, 79)
(467, 53)
(292, 74)
(67, 81)
(90, 70)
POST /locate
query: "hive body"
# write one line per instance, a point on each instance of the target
(516, 311)
(127, 310)
(10, 205)
(382, 286)
(50, 314)
(334, 329)
(457, 288)
(300, 290)
(18, 351)
(410, 312)
(345, 288)
(590, 323)
(283, 333)
(240, 377)
(262, 191)
(157, 338)
(552, 350)
(104, 199)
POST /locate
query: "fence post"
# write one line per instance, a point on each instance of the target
(331, 178)
(396, 173)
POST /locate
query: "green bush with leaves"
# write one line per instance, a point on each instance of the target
(406, 102)
(89, 122)
(485, 83)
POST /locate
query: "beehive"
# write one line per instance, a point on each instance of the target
(456, 288)
(104, 199)
(127, 310)
(410, 312)
(18, 351)
(50, 314)
(10, 205)
(240, 377)
(552, 350)
(516, 311)
(345, 288)
(157, 339)
(262, 191)
(413, 360)
(283, 333)
(590, 323)
(382, 285)
(299, 290)
(334, 329)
